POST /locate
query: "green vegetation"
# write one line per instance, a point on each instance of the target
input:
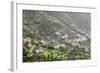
(53, 36)
(38, 52)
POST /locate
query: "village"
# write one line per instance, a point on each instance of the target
(58, 43)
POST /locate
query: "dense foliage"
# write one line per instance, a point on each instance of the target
(52, 36)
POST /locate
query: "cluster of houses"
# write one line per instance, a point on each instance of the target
(74, 41)
(28, 43)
